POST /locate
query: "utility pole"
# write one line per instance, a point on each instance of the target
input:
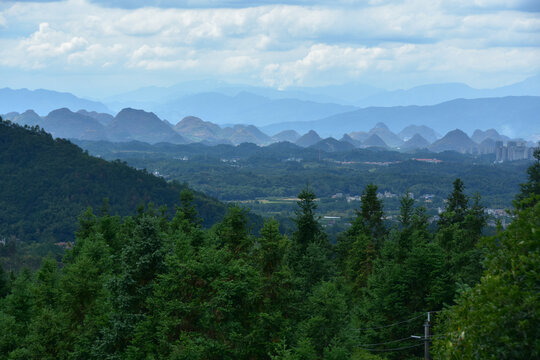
(427, 336)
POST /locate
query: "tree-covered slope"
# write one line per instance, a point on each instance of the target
(45, 183)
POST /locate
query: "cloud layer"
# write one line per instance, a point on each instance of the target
(386, 43)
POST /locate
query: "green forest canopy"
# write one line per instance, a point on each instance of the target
(146, 286)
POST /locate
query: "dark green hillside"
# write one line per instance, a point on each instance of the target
(46, 183)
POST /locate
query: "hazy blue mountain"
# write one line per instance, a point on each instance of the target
(415, 142)
(478, 136)
(355, 94)
(63, 123)
(455, 140)
(286, 135)
(195, 129)
(103, 118)
(244, 108)
(130, 124)
(389, 138)
(518, 114)
(44, 101)
(420, 95)
(350, 140)
(340, 94)
(374, 140)
(348, 93)
(29, 117)
(529, 86)
(426, 132)
(359, 135)
(163, 94)
(308, 139)
(239, 134)
(431, 94)
(332, 145)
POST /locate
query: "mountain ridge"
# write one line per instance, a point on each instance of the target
(515, 113)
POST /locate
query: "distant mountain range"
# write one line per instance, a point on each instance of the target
(44, 101)
(517, 115)
(355, 94)
(242, 108)
(138, 125)
(223, 103)
(432, 94)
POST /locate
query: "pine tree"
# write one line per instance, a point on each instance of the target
(456, 206)
(460, 228)
(311, 250)
(308, 229)
(358, 247)
(371, 215)
(234, 233)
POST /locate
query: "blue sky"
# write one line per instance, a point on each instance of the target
(97, 48)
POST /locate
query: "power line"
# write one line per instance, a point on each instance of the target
(387, 326)
(397, 323)
(386, 342)
(425, 340)
(394, 349)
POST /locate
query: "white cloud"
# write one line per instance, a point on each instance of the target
(98, 55)
(242, 63)
(279, 44)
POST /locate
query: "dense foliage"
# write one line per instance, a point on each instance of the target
(144, 286)
(45, 183)
(498, 318)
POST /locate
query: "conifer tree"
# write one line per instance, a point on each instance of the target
(311, 250)
(358, 247)
(460, 228)
(456, 206)
(233, 231)
(308, 229)
(371, 214)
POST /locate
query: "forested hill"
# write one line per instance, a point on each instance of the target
(47, 183)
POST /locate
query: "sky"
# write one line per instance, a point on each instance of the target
(97, 48)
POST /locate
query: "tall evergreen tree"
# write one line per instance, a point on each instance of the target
(358, 247)
(233, 231)
(460, 229)
(371, 214)
(456, 205)
(308, 229)
(142, 260)
(311, 251)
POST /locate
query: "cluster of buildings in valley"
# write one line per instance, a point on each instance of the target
(513, 150)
